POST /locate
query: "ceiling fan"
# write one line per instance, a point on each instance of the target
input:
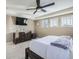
(40, 7)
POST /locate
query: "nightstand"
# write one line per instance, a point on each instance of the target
(34, 35)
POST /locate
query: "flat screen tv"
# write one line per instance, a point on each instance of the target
(21, 21)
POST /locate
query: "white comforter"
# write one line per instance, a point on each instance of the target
(43, 48)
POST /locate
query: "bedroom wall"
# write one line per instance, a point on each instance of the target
(11, 27)
(41, 32)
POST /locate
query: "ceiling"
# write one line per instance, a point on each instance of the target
(18, 7)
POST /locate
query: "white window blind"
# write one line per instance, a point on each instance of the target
(67, 20)
(53, 22)
(45, 23)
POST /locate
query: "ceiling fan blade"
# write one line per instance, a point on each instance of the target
(43, 10)
(35, 11)
(48, 5)
(31, 9)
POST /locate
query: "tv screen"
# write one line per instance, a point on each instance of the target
(20, 21)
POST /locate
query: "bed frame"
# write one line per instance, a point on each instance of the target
(30, 54)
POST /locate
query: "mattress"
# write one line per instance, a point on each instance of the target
(57, 53)
(43, 48)
(39, 46)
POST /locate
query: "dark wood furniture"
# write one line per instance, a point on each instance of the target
(22, 37)
(31, 54)
(34, 35)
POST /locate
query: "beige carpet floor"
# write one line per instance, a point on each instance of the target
(16, 51)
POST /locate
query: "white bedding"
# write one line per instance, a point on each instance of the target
(57, 53)
(43, 48)
(39, 46)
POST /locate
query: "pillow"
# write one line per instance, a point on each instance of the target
(65, 37)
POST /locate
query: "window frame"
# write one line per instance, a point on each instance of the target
(55, 23)
(64, 22)
(45, 23)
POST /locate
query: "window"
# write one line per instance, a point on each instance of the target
(67, 20)
(63, 21)
(45, 23)
(53, 22)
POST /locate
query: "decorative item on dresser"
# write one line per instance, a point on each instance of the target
(21, 37)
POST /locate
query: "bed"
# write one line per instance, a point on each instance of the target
(42, 48)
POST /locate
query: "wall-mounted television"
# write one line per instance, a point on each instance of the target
(21, 21)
